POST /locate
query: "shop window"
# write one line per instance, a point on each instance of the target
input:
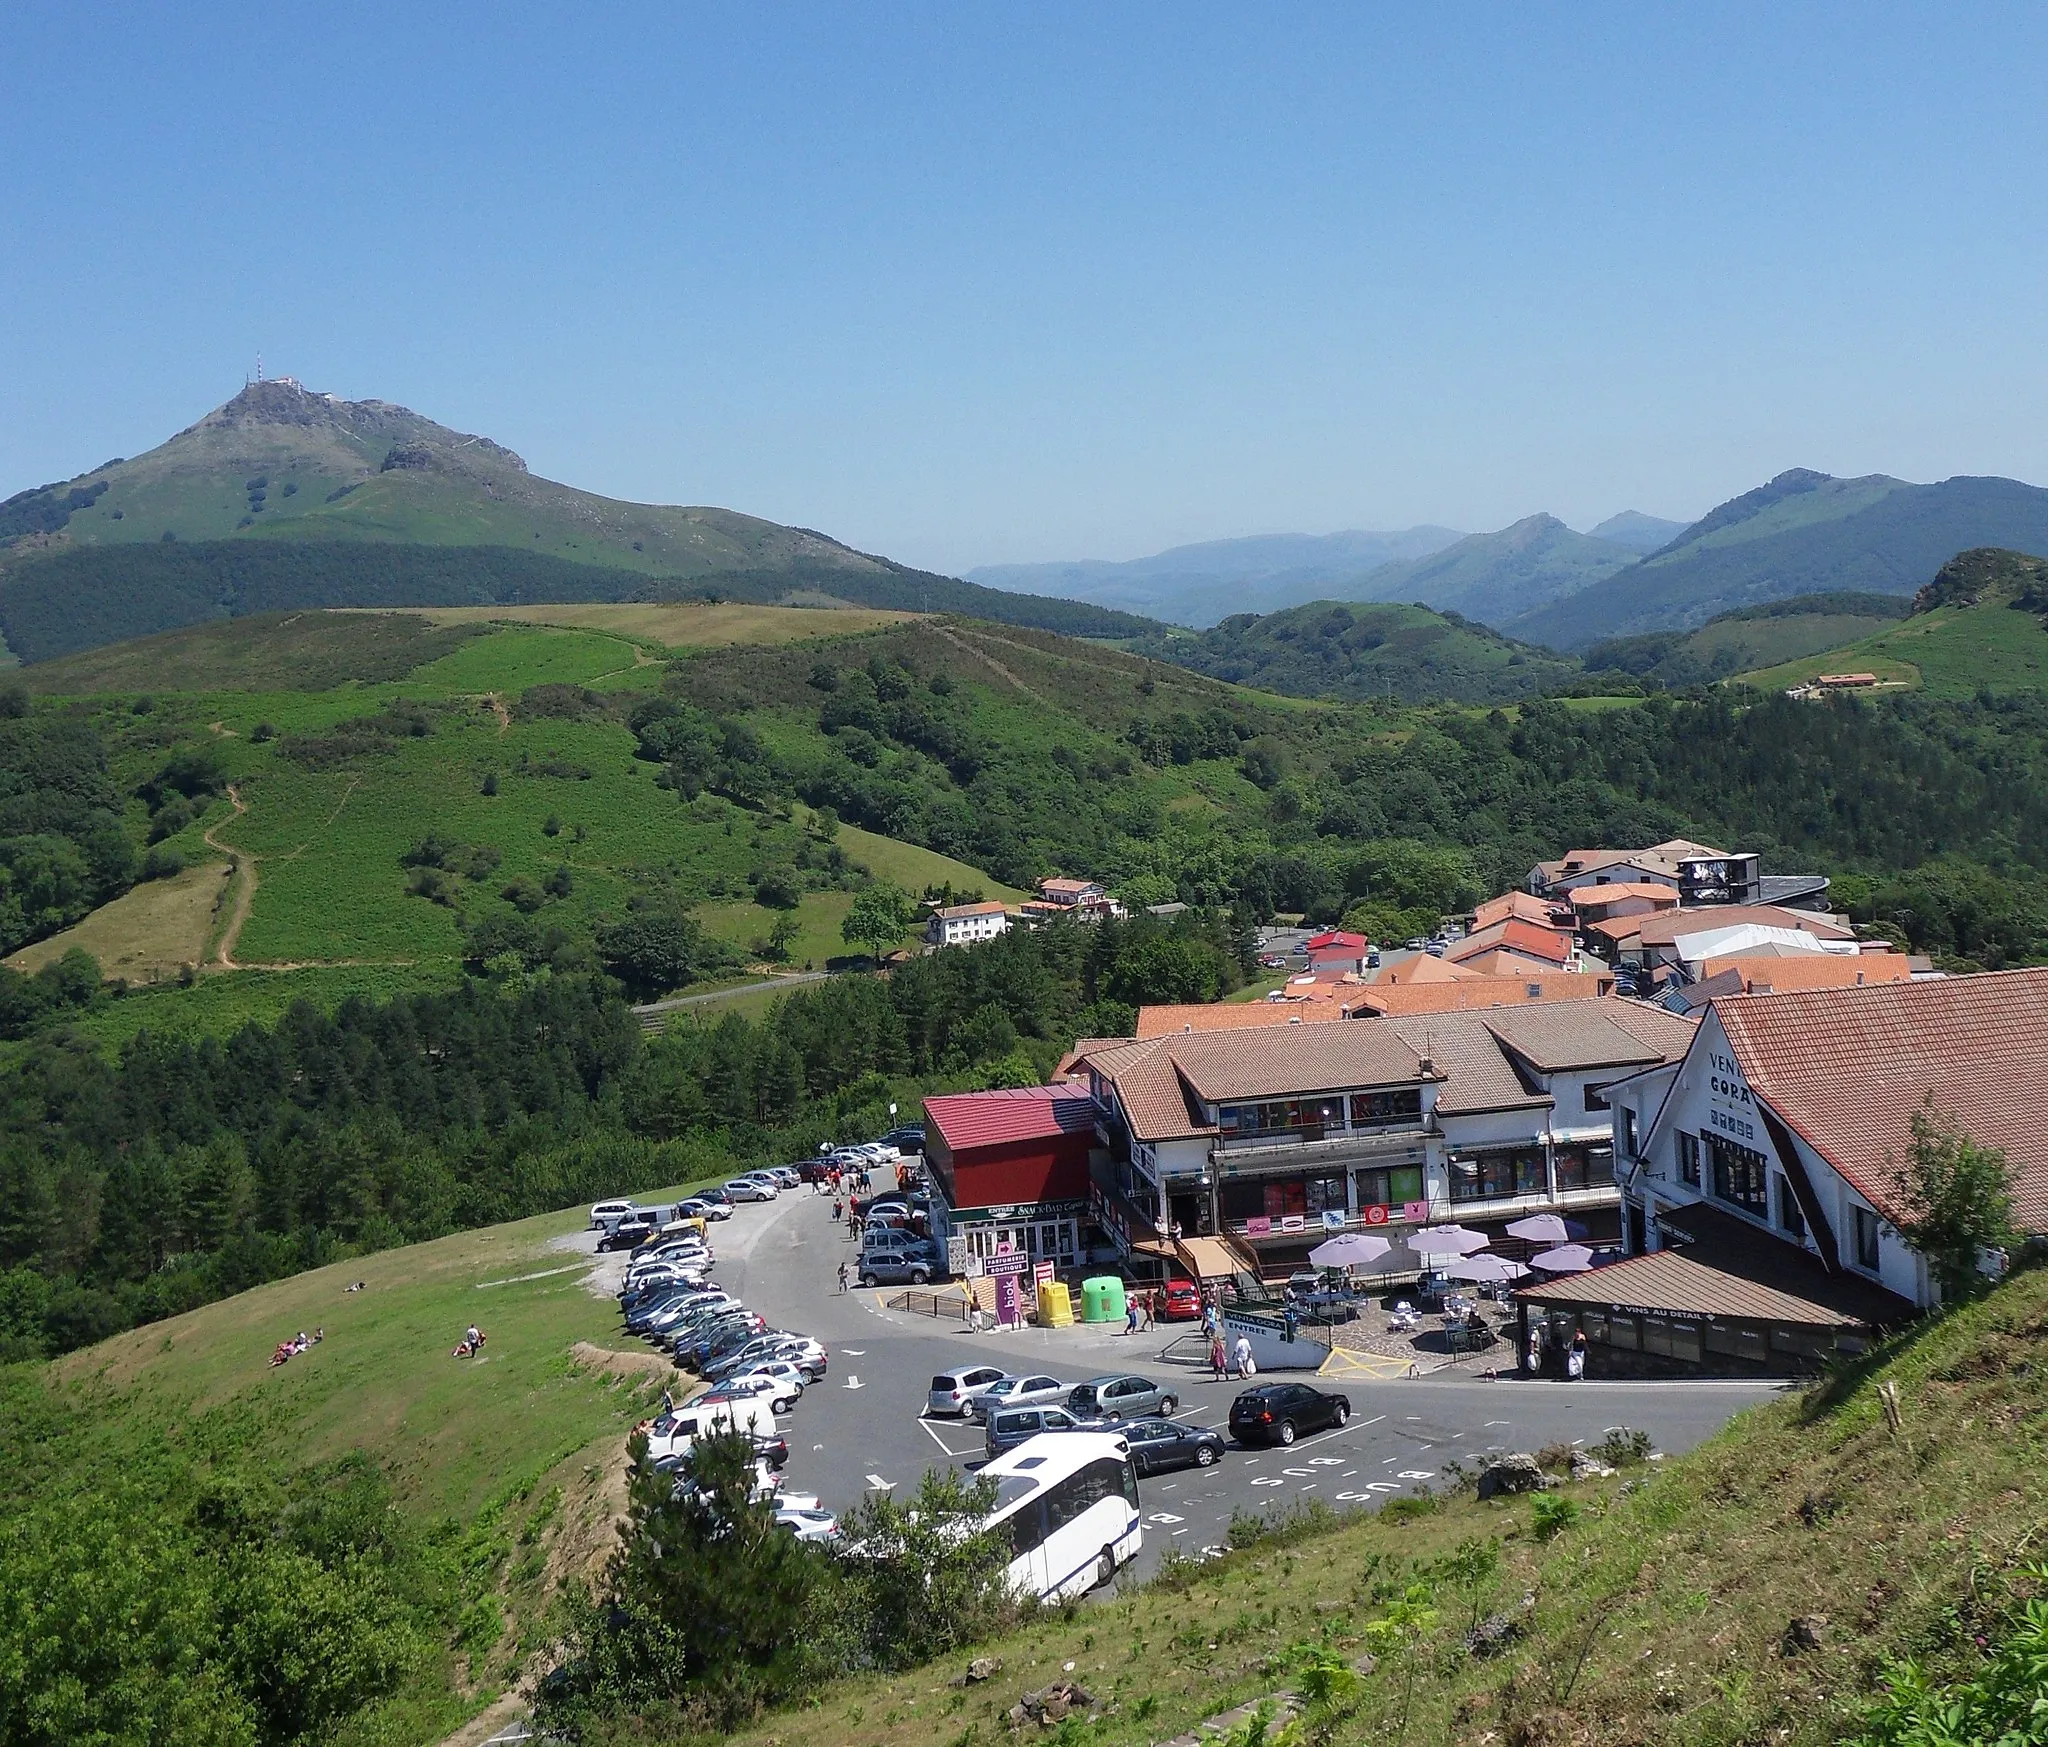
(1585, 1167)
(1594, 1322)
(1324, 1194)
(1685, 1341)
(1599, 1167)
(1739, 1176)
(1864, 1230)
(1689, 1159)
(1803, 1343)
(1391, 1187)
(1621, 1332)
(1285, 1199)
(1242, 1200)
(1489, 1175)
(1380, 1109)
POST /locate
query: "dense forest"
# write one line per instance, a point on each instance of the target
(136, 1188)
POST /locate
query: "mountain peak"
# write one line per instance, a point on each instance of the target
(276, 405)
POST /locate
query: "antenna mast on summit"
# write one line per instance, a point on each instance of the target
(259, 366)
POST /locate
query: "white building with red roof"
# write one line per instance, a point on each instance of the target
(1789, 1120)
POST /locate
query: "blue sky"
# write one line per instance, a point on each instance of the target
(974, 283)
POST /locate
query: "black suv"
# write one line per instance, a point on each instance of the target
(1278, 1413)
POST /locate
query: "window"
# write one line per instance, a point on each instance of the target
(1485, 1176)
(1324, 1194)
(1380, 1109)
(1864, 1234)
(1073, 1497)
(1689, 1159)
(1596, 1096)
(1625, 1131)
(1790, 1219)
(1739, 1176)
(1390, 1188)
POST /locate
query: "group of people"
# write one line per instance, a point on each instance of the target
(1574, 1352)
(470, 1345)
(837, 1181)
(291, 1349)
(1227, 1358)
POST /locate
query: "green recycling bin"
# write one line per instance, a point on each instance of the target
(1102, 1299)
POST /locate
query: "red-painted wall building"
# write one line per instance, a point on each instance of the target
(1012, 1167)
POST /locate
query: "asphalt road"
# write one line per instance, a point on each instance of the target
(864, 1427)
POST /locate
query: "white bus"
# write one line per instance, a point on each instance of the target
(1069, 1503)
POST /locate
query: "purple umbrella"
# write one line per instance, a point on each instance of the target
(1445, 1240)
(1541, 1228)
(1565, 1259)
(1486, 1268)
(1352, 1250)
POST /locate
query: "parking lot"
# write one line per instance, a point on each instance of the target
(863, 1426)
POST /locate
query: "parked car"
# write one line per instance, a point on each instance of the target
(750, 1189)
(699, 1207)
(1180, 1302)
(909, 1139)
(1120, 1397)
(1278, 1413)
(788, 1382)
(896, 1268)
(604, 1213)
(717, 1197)
(1019, 1425)
(1025, 1391)
(813, 1523)
(782, 1176)
(629, 1233)
(1160, 1445)
(894, 1238)
(951, 1391)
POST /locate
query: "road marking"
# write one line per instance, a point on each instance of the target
(1310, 1487)
(945, 1449)
(1165, 1518)
(1267, 1480)
(1326, 1461)
(1389, 1461)
(1348, 1472)
(855, 1352)
(1299, 1473)
(1496, 1422)
(1415, 1474)
(1380, 1486)
(878, 1484)
(1375, 1420)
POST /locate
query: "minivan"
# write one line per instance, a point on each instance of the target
(604, 1213)
(1019, 1425)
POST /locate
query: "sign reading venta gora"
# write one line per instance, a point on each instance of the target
(1731, 1107)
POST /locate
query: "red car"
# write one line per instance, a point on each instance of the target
(1180, 1302)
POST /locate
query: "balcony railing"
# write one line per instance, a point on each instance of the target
(1292, 1146)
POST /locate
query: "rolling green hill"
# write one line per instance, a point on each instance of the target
(286, 498)
(1748, 637)
(1980, 626)
(1803, 533)
(1368, 650)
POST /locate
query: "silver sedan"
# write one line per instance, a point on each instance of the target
(1030, 1391)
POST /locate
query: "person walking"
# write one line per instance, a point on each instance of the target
(1131, 1315)
(1218, 1360)
(1243, 1354)
(1575, 1357)
(842, 1276)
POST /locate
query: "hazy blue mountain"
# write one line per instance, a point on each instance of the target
(1494, 577)
(1802, 533)
(1199, 584)
(1637, 531)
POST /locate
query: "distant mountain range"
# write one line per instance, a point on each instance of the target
(1197, 585)
(269, 501)
(1803, 533)
(1489, 577)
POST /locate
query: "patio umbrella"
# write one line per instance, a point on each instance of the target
(1445, 1240)
(1565, 1259)
(1352, 1250)
(1541, 1228)
(1486, 1268)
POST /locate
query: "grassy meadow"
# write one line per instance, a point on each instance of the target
(1952, 652)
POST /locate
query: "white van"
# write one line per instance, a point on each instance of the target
(604, 1213)
(674, 1434)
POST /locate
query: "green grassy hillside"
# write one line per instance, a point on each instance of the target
(1362, 650)
(1748, 638)
(503, 1473)
(1981, 625)
(1656, 1607)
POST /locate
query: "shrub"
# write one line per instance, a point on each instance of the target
(1623, 1447)
(1551, 1515)
(551, 826)
(161, 863)
(263, 731)
(523, 895)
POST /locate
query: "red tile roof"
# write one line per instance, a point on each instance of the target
(1847, 1068)
(1552, 945)
(1002, 1118)
(1518, 905)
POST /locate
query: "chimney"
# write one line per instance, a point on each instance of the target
(1428, 1067)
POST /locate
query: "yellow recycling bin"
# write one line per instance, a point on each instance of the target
(1055, 1305)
